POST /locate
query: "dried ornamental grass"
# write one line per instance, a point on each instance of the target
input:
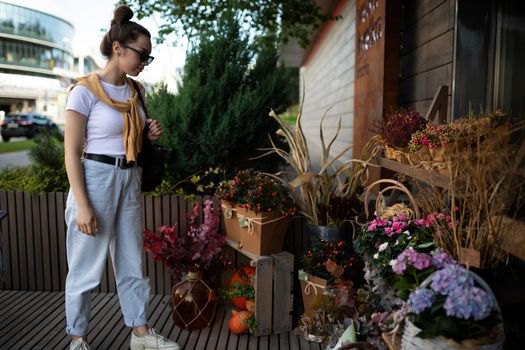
(487, 181)
(320, 195)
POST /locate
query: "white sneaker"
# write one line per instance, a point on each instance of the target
(79, 344)
(153, 341)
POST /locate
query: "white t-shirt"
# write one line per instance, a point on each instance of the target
(104, 124)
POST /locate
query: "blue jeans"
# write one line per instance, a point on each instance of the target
(115, 196)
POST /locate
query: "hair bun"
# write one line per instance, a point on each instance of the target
(123, 14)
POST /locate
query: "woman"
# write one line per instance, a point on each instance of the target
(103, 135)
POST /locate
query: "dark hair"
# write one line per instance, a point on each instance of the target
(122, 30)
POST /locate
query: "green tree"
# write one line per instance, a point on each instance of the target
(219, 118)
(286, 18)
(48, 172)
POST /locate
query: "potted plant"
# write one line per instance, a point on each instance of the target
(381, 240)
(396, 131)
(257, 210)
(192, 254)
(432, 142)
(330, 314)
(328, 198)
(325, 264)
(453, 309)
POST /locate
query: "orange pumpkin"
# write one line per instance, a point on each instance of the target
(250, 305)
(239, 322)
(243, 276)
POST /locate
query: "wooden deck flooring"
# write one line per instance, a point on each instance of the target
(36, 320)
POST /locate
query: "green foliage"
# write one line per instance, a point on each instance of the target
(46, 174)
(49, 170)
(219, 118)
(239, 290)
(48, 152)
(202, 183)
(14, 146)
(15, 178)
(252, 323)
(288, 18)
(46, 179)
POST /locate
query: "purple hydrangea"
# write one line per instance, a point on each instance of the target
(421, 299)
(472, 302)
(421, 261)
(441, 259)
(451, 277)
(400, 265)
(410, 257)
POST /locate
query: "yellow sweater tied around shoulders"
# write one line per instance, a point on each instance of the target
(131, 118)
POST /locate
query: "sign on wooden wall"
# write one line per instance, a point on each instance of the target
(376, 65)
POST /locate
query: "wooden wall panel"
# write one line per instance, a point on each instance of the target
(427, 51)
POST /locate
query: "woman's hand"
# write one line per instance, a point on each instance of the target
(86, 221)
(155, 130)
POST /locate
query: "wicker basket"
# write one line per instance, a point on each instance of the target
(411, 342)
(400, 155)
(381, 206)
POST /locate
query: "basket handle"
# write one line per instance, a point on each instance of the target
(395, 185)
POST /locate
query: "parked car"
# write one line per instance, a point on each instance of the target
(26, 124)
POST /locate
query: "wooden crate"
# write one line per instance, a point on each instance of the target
(273, 290)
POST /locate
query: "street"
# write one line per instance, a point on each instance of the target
(19, 158)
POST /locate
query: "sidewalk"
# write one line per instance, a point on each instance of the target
(20, 158)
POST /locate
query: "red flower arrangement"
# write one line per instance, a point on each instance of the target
(331, 260)
(200, 247)
(398, 127)
(433, 136)
(256, 191)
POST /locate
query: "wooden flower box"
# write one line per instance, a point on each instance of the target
(273, 290)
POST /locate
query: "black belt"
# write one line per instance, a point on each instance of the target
(117, 161)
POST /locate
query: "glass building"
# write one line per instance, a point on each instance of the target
(33, 41)
(36, 60)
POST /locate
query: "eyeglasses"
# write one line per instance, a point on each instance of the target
(144, 56)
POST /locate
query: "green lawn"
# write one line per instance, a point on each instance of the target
(13, 146)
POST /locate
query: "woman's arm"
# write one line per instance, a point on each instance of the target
(74, 137)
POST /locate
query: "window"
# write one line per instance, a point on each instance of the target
(489, 56)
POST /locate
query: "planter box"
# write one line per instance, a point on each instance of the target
(261, 233)
(310, 287)
(231, 222)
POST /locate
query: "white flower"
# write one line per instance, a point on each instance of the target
(383, 246)
(392, 262)
(397, 242)
(406, 232)
(376, 256)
